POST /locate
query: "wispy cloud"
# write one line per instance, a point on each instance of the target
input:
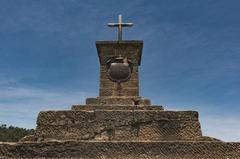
(225, 128)
(20, 106)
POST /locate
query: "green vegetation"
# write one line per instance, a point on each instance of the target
(13, 134)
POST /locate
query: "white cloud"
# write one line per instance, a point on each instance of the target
(20, 106)
(225, 128)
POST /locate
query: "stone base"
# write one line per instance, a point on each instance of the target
(121, 150)
(118, 101)
(88, 123)
(121, 107)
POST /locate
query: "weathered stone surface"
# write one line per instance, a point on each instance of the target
(123, 92)
(118, 101)
(114, 107)
(104, 76)
(121, 150)
(118, 125)
(29, 138)
(127, 49)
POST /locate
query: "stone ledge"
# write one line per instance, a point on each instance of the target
(120, 150)
(105, 42)
(123, 101)
(116, 107)
(132, 48)
(118, 125)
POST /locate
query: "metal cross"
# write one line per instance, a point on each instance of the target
(120, 25)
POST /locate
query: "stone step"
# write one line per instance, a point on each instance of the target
(122, 100)
(118, 125)
(116, 107)
(121, 150)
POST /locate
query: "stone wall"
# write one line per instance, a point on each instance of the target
(118, 125)
(121, 150)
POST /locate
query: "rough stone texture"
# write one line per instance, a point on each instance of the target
(118, 125)
(121, 150)
(127, 49)
(112, 93)
(119, 107)
(28, 138)
(118, 101)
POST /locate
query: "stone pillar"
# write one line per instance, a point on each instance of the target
(126, 49)
(124, 93)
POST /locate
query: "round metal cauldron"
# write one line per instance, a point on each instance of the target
(119, 69)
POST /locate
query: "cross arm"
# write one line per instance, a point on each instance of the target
(118, 24)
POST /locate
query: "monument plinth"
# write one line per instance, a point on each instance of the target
(111, 90)
(110, 50)
(119, 123)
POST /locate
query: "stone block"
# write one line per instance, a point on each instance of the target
(121, 150)
(119, 101)
(114, 107)
(118, 125)
(128, 49)
(123, 92)
(109, 84)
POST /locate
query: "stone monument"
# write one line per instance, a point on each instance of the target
(119, 123)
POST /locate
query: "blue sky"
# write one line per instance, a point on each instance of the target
(191, 56)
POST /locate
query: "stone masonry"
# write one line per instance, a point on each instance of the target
(109, 92)
(130, 49)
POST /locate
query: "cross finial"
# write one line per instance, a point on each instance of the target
(120, 25)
